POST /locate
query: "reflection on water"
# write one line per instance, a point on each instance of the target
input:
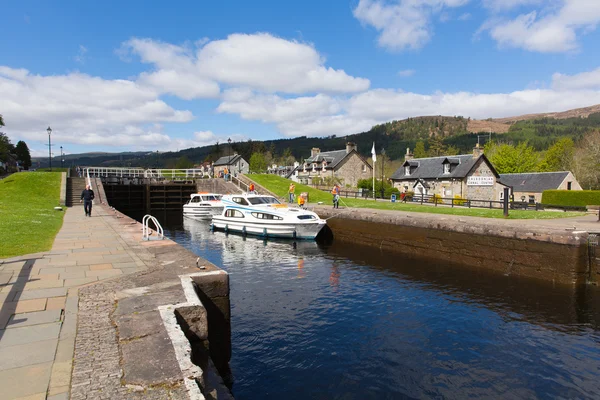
(339, 321)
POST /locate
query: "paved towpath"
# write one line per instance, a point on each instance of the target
(39, 302)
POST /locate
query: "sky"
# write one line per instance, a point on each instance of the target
(160, 76)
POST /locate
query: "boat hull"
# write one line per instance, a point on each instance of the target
(201, 212)
(307, 231)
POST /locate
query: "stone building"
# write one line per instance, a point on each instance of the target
(234, 163)
(470, 176)
(345, 165)
(530, 186)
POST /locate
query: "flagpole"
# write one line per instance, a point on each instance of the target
(374, 157)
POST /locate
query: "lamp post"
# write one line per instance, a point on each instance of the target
(61, 157)
(229, 162)
(49, 130)
(382, 164)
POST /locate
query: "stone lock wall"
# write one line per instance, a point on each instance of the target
(555, 256)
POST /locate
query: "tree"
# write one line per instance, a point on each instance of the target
(1, 120)
(508, 159)
(420, 150)
(559, 157)
(587, 161)
(6, 147)
(183, 163)
(258, 163)
(23, 155)
(436, 147)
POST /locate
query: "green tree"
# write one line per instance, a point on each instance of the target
(420, 150)
(6, 147)
(258, 163)
(1, 120)
(587, 161)
(559, 157)
(436, 147)
(23, 155)
(508, 159)
(183, 163)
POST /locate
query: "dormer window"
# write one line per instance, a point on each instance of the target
(447, 168)
(407, 170)
(324, 165)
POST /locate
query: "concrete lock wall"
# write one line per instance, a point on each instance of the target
(560, 257)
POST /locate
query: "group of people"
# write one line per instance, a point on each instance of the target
(302, 198)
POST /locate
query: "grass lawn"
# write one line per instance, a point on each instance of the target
(279, 186)
(28, 221)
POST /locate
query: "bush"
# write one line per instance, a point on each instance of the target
(409, 195)
(571, 197)
(436, 198)
(459, 201)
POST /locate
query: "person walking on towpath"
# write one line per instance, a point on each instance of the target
(87, 195)
(336, 196)
(251, 189)
(291, 192)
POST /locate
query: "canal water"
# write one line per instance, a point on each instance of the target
(313, 321)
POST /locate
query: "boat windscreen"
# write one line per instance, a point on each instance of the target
(263, 200)
(210, 198)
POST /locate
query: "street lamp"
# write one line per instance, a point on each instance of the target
(61, 157)
(382, 164)
(49, 130)
(229, 163)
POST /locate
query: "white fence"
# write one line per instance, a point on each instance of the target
(146, 173)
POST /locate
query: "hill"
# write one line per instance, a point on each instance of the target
(455, 132)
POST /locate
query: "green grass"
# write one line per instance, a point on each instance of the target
(54, 169)
(28, 221)
(280, 186)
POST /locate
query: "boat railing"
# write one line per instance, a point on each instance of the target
(147, 232)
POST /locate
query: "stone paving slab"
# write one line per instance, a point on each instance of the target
(34, 318)
(29, 334)
(25, 381)
(27, 354)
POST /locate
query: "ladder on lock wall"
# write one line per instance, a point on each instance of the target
(147, 233)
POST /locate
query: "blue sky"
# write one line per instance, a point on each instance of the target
(115, 76)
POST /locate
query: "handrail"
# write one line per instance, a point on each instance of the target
(147, 232)
(148, 172)
(89, 181)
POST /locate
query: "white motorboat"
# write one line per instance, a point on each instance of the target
(265, 216)
(203, 205)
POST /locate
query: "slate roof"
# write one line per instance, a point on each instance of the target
(333, 158)
(535, 182)
(225, 160)
(433, 167)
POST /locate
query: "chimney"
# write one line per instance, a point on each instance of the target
(314, 151)
(408, 156)
(350, 146)
(477, 151)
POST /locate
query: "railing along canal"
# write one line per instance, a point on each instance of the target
(150, 173)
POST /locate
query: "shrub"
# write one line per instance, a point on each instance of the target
(571, 197)
(459, 201)
(436, 198)
(409, 195)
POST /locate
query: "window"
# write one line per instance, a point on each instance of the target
(447, 168)
(364, 168)
(234, 213)
(195, 200)
(306, 217)
(502, 195)
(240, 200)
(407, 170)
(569, 185)
(531, 199)
(265, 216)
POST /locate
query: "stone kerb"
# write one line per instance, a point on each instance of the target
(187, 327)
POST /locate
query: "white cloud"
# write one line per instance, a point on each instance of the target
(81, 55)
(406, 73)
(403, 24)
(325, 115)
(464, 17)
(549, 30)
(259, 61)
(82, 109)
(584, 80)
(505, 5)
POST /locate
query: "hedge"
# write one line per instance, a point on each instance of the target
(571, 197)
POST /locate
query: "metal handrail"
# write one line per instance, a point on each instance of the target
(147, 232)
(148, 173)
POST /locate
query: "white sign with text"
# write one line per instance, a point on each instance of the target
(480, 181)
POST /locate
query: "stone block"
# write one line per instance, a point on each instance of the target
(136, 325)
(56, 303)
(43, 284)
(29, 334)
(213, 285)
(149, 302)
(26, 382)
(37, 294)
(98, 267)
(75, 274)
(195, 318)
(27, 354)
(79, 281)
(25, 306)
(34, 318)
(61, 374)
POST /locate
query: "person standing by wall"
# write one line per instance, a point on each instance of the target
(336, 196)
(291, 192)
(87, 195)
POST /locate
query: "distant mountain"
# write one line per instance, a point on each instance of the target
(539, 130)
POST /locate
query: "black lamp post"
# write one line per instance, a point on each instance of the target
(49, 130)
(382, 164)
(61, 157)
(229, 163)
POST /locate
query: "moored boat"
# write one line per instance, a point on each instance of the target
(203, 205)
(265, 216)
